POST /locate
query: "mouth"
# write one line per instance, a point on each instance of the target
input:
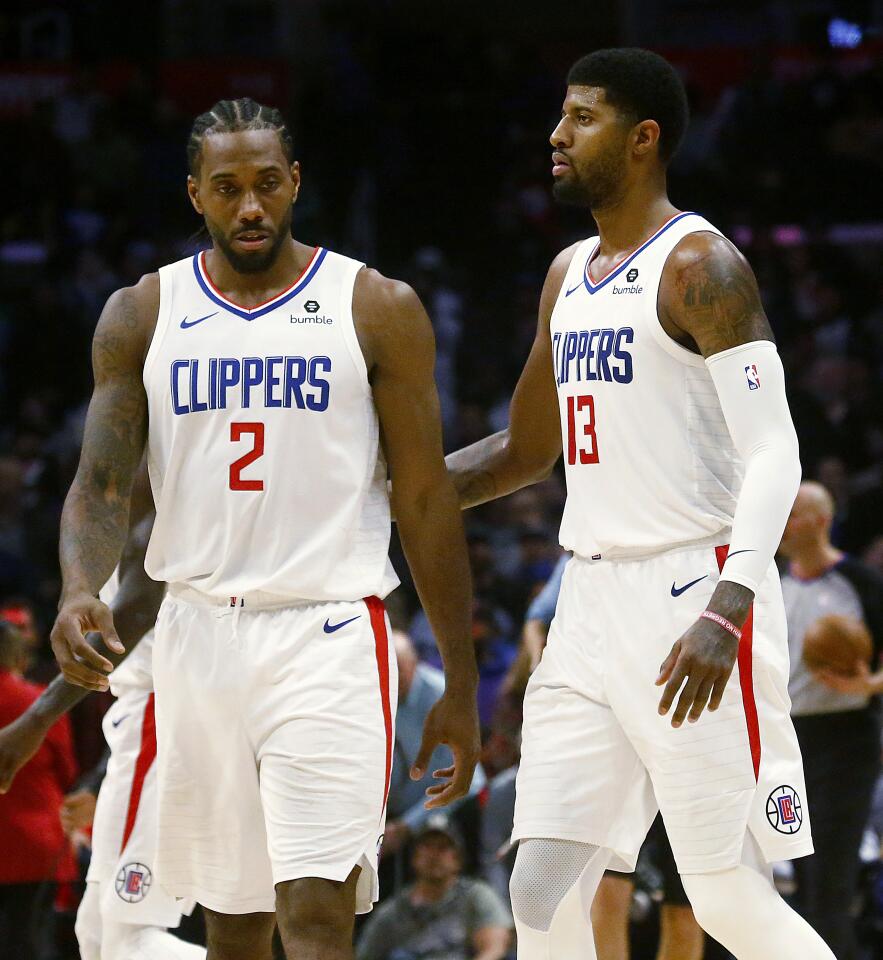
(252, 239)
(560, 164)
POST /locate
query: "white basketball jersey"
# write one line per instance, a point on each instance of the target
(264, 451)
(648, 457)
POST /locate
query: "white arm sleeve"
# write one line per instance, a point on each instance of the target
(750, 385)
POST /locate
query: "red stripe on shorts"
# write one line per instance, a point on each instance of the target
(746, 678)
(377, 612)
(146, 756)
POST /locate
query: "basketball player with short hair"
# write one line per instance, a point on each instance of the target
(654, 368)
(271, 382)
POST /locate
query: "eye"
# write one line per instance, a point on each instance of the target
(584, 118)
(269, 185)
(227, 189)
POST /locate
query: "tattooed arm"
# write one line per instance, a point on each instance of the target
(708, 297)
(96, 512)
(709, 302)
(526, 451)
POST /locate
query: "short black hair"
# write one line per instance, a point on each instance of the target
(642, 86)
(231, 116)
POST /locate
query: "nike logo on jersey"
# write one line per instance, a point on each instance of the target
(331, 628)
(116, 723)
(677, 591)
(185, 325)
(737, 552)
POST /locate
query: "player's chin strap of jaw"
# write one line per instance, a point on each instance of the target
(750, 385)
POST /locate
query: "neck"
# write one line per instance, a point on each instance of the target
(291, 260)
(815, 560)
(431, 891)
(629, 219)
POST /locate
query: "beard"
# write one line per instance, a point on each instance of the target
(258, 260)
(593, 189)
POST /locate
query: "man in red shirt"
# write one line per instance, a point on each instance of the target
(33, 848)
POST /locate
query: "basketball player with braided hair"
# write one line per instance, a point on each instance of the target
(276, 387)
(655, 371)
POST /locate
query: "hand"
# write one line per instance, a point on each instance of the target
(395, 836)
(77, 811)
(862, 682)
(704, 656)
(453, 720)
(80, 662)
(19, 741)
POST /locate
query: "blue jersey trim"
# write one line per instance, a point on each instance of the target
(251, 314)
(593, 288)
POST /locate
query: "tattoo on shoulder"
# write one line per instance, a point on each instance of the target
(717, 302)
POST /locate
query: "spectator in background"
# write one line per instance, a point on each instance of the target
(420, 686)
(33, 845)
(442, 915)
(836, 722)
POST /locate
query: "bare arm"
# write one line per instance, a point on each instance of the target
(399, 348)
(709, 302)
(527, 450)
(96, 512)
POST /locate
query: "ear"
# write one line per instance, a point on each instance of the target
(193, 193)
(645, 137)
(295, 179)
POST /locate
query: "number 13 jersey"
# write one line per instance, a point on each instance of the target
(648, 457)
(263, 445)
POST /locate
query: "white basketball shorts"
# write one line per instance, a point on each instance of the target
(275, 735)
(597, 758)
(123, 858)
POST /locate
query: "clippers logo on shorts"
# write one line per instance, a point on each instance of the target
(133, 882)
(753, 377)
(784, 810)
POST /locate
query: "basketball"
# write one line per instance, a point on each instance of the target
(837, 643)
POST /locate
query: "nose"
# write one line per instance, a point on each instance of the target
(559, 136)
(250, 209)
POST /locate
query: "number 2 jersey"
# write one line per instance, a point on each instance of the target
(264, 452)
(648, 457)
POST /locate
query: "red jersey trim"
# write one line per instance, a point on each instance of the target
(377, 613)
(146, 756)
(746, 674)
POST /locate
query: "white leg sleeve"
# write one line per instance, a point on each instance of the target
(742, 909)
(552, 888)
(125, 941)
(88, 923)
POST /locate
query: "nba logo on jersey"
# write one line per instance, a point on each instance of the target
(753, 378)
(786, 810)
(133, 882)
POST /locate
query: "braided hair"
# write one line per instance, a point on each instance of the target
(232, 116)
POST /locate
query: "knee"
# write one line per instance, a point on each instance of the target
(710, 910)
(239, 936)
(313, 910)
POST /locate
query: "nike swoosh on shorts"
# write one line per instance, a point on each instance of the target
(677, 591)
(331, 628)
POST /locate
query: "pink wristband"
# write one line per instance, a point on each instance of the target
(722, 622)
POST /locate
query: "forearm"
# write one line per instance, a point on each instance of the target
(490, 469)
(431, 532)
(54, 702)
(93, 531)
(761, 429)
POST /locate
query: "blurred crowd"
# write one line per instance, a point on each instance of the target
(450, 192)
